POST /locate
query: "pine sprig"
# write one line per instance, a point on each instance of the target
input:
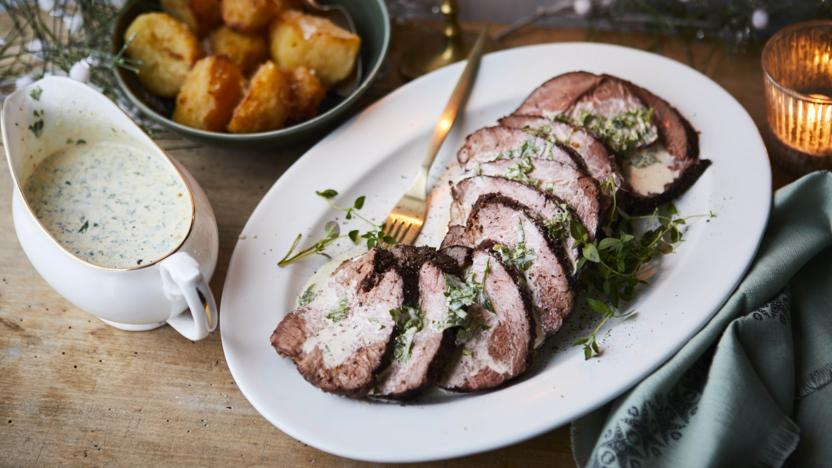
(39, 43)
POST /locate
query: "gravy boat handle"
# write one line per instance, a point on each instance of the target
(181, 278)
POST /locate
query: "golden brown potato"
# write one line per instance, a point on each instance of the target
(209, 94)
(248, 15)
(166, 49)
(253, 15)
(201, 16)
(245, 50)
(300, 40)
(267, 102)
(307, 94)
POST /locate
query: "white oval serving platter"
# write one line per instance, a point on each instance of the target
(377, 152)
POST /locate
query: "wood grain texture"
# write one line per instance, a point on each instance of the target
(75, 391)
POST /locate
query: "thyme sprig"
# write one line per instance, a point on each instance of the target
(332, 231)
(613, 267)
(589, 342)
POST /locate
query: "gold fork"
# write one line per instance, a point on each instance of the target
(405, 220)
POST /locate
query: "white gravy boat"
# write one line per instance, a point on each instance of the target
(138, 298)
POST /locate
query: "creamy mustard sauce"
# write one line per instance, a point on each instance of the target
(652, 177)
(111, 204)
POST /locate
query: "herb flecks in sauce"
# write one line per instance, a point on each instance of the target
(35, 93)
(623, 132)
(521, 171)
(37, 125)
(461, 296)
(339, 312)
(409, 321)
(558, 226)
(308, 295)
(89, 200)
(519, 256)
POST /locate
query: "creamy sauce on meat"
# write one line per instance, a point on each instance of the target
(651, 178)
(111, 204)
(343, 331)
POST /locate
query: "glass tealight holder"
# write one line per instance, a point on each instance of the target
(797, 63)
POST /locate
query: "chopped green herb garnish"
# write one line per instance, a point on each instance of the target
(558, 226)
(622, 132)
(80, 141)
(519, 256)
(521, 171)
(37, 127)
(35, 93)
(339, 312)
(84, 226)
(308, 295)
(460, 296)
(409, 321)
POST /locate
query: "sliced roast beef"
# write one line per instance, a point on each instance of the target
(555, 213)
(339, 339)
(493, 143)
(657, 148)
(573, 186)
(497, 344)
(423, 341)
(599, 161)
(556, 95)
(522, 242)
(676, 157)
(675, 132)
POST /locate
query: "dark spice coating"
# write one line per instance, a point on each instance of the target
(384, 261)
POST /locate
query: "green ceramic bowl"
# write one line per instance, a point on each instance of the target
(373, 24)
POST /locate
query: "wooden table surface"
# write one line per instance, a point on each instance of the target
(76, 391)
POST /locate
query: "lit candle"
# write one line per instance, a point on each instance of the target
(797, 62)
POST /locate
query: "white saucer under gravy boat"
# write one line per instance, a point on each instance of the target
(42, 119)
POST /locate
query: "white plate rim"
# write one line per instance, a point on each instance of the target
(755, 225)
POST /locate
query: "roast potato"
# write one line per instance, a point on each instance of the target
(165, 48)
(248, 15)
(267, 101)
(200, 16)
(245, 50)
(307, 94)
(209, 94)
(300, 40)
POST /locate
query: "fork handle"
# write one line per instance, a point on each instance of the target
(457, 101)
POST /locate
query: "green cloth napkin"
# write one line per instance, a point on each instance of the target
(752, 388)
